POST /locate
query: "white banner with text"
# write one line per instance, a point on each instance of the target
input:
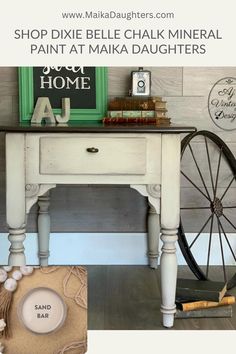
(105, 33)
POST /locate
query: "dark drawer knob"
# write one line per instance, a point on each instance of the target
(93, 150)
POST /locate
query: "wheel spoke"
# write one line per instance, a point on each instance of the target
(229, 221)
(227, 188)
(222, 251)
(209, 246)
(227, 240)
(217, 173)
(229, 207)
(199, 171)
(195, 185)
(193, 208)
(209, 163)
(195, 239)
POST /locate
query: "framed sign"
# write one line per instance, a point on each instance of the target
(85, 86)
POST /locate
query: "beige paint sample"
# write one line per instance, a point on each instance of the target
(42, 311)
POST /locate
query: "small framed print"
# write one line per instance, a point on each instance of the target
(86, 87)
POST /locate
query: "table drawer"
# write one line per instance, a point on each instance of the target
(75, 155)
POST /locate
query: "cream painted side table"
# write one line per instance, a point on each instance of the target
(145, 157)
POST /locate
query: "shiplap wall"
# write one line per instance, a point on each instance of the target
(120, 209)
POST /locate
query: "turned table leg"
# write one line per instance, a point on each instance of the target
(15, 201)
(153, 236)
(170, 204)
(152, 192)
(168, 276)
(43, 229)
(16, 238)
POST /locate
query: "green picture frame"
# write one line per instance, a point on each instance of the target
(27, 99)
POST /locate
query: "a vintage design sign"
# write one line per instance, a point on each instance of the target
(222, 103)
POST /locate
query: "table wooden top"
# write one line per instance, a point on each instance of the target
(94, 127)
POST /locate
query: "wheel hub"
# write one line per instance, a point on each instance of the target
(217, 207)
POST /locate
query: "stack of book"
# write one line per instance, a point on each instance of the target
(202, 298)
(151, 110)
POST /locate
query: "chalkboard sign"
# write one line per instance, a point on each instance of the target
(85, 86)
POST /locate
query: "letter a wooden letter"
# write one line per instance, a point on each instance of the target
(43, 110)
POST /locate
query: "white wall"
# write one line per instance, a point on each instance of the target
(113, 248)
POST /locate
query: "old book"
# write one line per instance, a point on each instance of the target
(130, 120)
(127, 114)
(191, 289)
(133, 103)
(232, 282)
(163, 120)
(137, 120)
(190, 306)
(223, 311)
(145, 114)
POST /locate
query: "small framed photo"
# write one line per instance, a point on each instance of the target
(85, 86)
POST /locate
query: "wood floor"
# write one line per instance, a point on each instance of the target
(128, 298)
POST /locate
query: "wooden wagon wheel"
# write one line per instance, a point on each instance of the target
(208, 200)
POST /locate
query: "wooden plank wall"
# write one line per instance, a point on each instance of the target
(120, 209)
